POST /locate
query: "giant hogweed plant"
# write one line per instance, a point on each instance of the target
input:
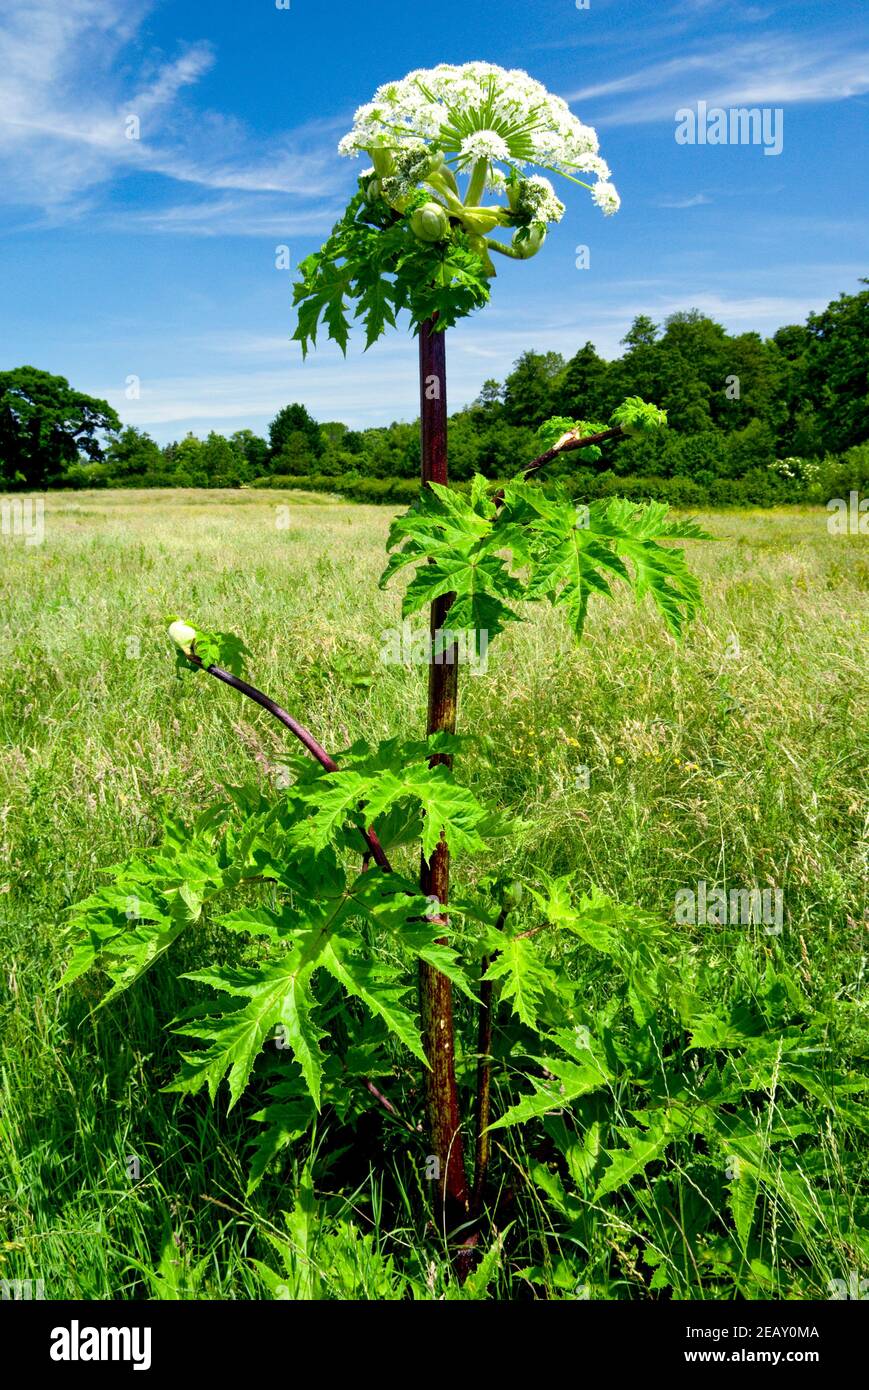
(343, 947)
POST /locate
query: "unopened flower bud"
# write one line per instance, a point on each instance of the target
(430, 223)
(528, 240)
(372, 190)
(183, 635)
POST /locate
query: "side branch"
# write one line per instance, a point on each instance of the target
(566, 444)
(305, 737)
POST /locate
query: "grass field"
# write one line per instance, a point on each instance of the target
(738, 758)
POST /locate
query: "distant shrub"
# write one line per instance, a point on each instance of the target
(587, 486)
(82, 475)
(785, 481)
(395, 491)
(839, 474)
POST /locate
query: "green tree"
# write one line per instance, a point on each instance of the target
(490, 401)
(185, 464)
(46, 426)
(224, 464)
(294, 420)
(697, 456)
(464, 445)
(131, 457)
(638, 372)
(579, 392)
(837, 369)
(753, 385)
(254, 449)
(749, 449)
(695, 362)
(333, 432)
(353, 442)
(390, 453)
(528, 391)
(504, 448)
(296, 458)
(687, 403)
(643, 332)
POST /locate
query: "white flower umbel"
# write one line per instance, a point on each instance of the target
(606, 197)
(537, 197)
(484, 144)
(496, 182)
(481, 116)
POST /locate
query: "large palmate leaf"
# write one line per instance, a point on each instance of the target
(448, 809)
(278, 994)
(642, 1148)
(678, 1115)
(288, 1107)
(373, 259)
(381, 988)
(457, 545)
(577, 551)
(657, 973)
(564, 1082)
(480, 582)
(454, 542)
(525, 977)
(123, 928)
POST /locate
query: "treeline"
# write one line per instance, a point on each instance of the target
(752, 420)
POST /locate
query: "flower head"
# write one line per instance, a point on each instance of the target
(479, 112)
(484, 144)
(410, 167)
(606, 197)
(536, 200)
(496, 182)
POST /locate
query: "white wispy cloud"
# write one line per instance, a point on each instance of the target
(69, 86)
(260, 216)
(695, 201)
(771, 70)
(751, 14)
(641, 29)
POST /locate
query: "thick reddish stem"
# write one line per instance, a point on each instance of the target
(483, 1103)
(435, 990)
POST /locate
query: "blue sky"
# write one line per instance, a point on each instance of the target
(155, 257)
